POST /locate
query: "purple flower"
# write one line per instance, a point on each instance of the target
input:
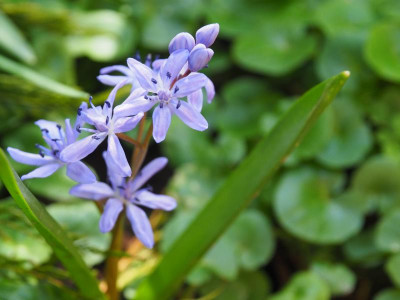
(165, 87)
(128, 194)
(49, 159)
(106, 125)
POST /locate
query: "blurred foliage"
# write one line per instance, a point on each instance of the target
(328, 226)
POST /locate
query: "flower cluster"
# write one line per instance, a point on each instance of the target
(173, 85)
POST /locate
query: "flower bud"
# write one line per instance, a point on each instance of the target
(182, 40)
(206, 35)
(199, 58)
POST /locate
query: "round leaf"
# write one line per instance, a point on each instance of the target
(393, 269)
(388, 294)
(305, 206)
(388, 232)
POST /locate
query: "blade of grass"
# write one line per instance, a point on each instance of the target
(55, 236)
(238, 190)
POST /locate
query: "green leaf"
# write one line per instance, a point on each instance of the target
(388, 232)
(238, 190)
(12, 40)
(392, 267)
(82, 228)
(340, 279)
(351, 140)
(55, 236)
(382, 50)
(16, 69)
(275, 51)
(306, 205)
(304, 286)
(388, 294)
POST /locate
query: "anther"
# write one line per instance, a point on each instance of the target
(169, 75)
(45, 130)
(121, 187)
(179, 104)
(137, 199)
(107, 119)
(176, 89)
(90, 99)
(154, 81)
(59, 126)
(161, 104)
(55, 140)
(145, 97)
(55, 152)
(79, 111)
(137, 56)
(95, 137)
(78, 129)
(148, 60)
(41, 153)
(107, 103)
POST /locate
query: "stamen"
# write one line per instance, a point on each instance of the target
(88, 129)
(168, 75)
(45, 130)
(107, 119)
(107, 103)
(137, 56)
(91, 102)
(145, 97)
(148, 60)
(55, 140)
(137, 199)
(154, 81)
(95, 137)
(59, 126)
(78, 128)
(121, 187)
(179, 104)
(41, 153)
(176, 89)
(79, 111)
(55, 152)
(161, 104)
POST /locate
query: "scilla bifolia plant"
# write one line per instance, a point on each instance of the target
(173, 86)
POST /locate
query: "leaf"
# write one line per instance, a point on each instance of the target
(306, 206)
(382, 50)
(276, 51)
(388, 294)
(388, 232)
(304, 286)
(392, 267)
(82, 228)
(55, 236)
(12, 40)
(339, 277)
(238, 190)
(16, 69)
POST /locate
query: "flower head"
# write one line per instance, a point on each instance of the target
(48, 160)
(106, 125)
(165, 88)
(129, 194)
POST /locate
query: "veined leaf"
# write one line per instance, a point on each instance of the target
(55, 236)
(238, 190)
(16, 69)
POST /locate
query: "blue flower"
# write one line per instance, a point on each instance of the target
(129, 194)
(165, 87)
(108, 125)
(49, 159)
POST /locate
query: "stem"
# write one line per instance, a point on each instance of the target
(142, 153)
(139, 138)
(112, 260)
(128, 139)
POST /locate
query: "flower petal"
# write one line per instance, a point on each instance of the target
(117, 154)
(210, 89)
(173, 66)
(111, 80)
(189, 84)
(190, 116)
(109, 103)
(199, 58)
(127, 123)
(110, 214)
(182, 40)
(70, 132)
(143, 74)
(119, 68)
(154, 201)
(148, 171)
(94, 191)
(195, 99)
(156, 65)
(43, 171)
(140, 225)
(113, 172)
(79, 172)
(29, 158)
(206, 35)
(161, 122)
(133, 108)
(52, 129)
(82, 148)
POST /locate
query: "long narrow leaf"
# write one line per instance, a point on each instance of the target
(40, 80)
(238, 190)
(55, 236)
